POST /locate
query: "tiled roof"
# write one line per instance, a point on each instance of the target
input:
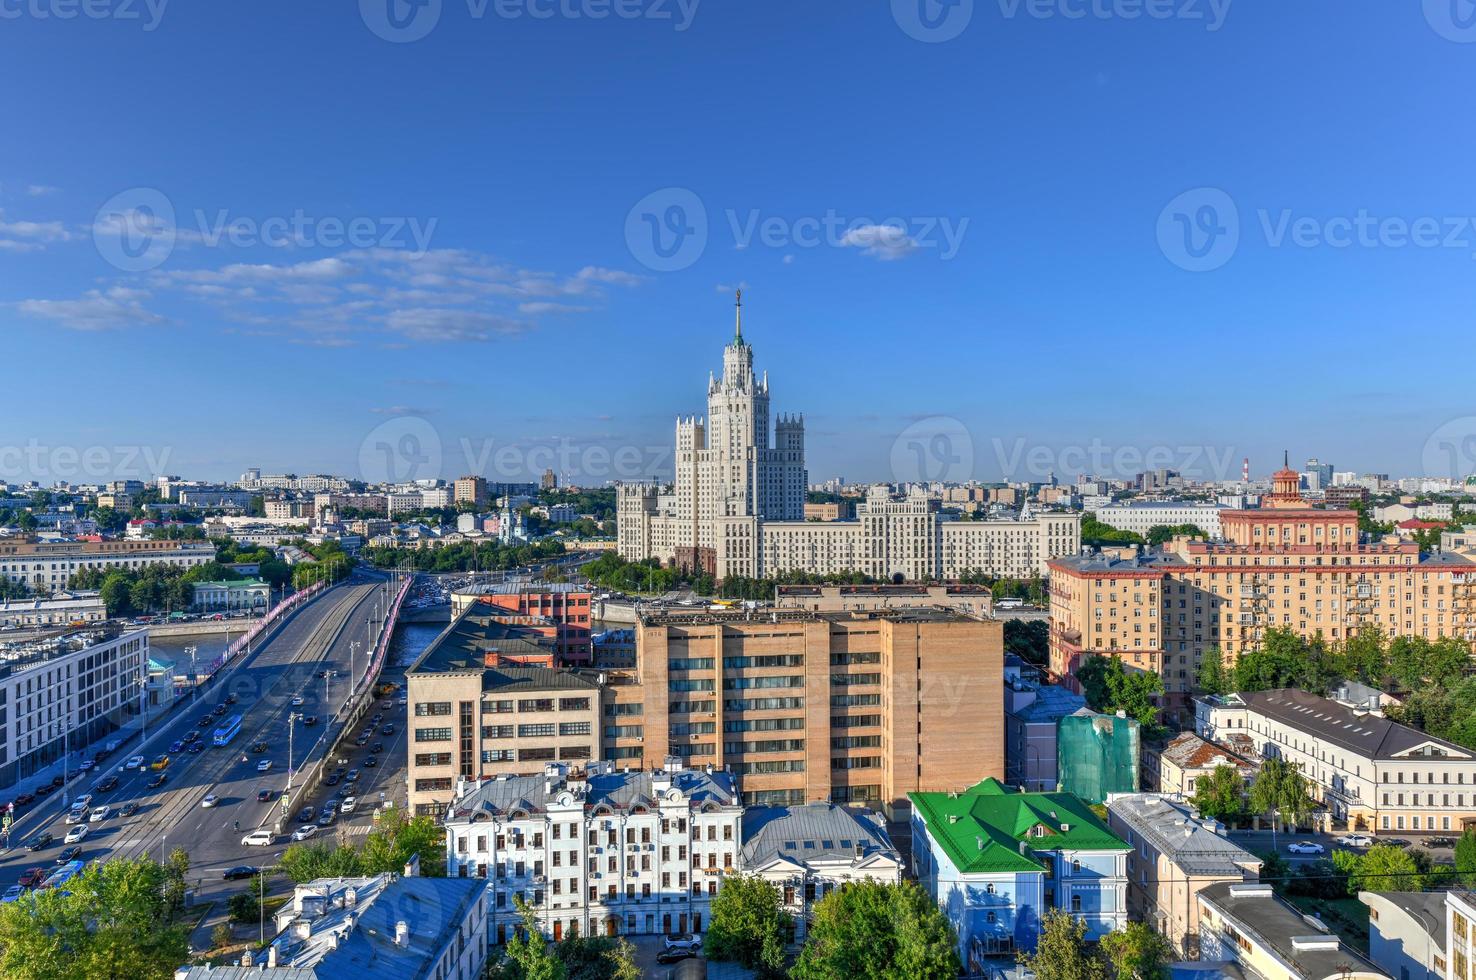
(989, 828)
(1187, 842)
(602, 784)
(1189, 751)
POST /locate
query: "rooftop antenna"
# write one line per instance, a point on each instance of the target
(738, 318)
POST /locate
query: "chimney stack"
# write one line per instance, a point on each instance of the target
(272, 957)
(402, 934)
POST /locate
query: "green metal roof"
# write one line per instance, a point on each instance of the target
(982, 828)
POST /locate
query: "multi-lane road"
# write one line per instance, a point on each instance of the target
(303, 670)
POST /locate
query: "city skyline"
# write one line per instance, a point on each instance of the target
(475, 275)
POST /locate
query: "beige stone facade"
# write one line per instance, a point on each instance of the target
(805, 706)
(1285, 565)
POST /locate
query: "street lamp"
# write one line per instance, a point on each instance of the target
(292, 720)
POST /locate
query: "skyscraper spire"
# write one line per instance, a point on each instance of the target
(738, 319)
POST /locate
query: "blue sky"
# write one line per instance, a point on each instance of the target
(977, 238)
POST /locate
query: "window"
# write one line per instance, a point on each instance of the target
(426, 709)
(1075, 903)
(432, 734)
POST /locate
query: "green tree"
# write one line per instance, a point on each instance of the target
(112, 923)
(176, 868)
(1465, 857)
(1028, 639)
(1161, 534)
(1275, 870)
(1211, 676)
(115, 595)
(1221, 794)
(397, 839)
(1280, 790)
(1345, 865)
(747, 925)
(1061, 953)
(596, 958)
(221, 936)
(244, 906)
(868, 929)
(304, 862)
(1110, 687)
(1138, 952)
(528, 956)
(1386, 869)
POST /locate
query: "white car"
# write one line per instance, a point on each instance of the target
(82, 800)
(304, 832)
(257, 838)
(77, 813)
(133, 762)
(297, 701)
(348, 804)
(1305, 847)
(100, 814)
(76, 834)
(1356, 840)
(265, 765)
(210, 800)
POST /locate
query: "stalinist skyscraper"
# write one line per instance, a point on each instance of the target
(730, 476)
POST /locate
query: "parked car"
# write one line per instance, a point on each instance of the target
(675, 955)
(45, 789)
(1440, 842)
(1356, 840)
(13, 893)
(211, 799)
(1305, 847)
(40, 842)
(58, 782)
(238, 872)
(685, 941)
(25, 799)
(1394, 841)
(304, 832)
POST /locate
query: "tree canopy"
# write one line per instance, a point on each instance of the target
(748, 925)
(869, 929)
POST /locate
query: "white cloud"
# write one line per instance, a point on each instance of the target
(41, 190)
(884, 242)
(400, 410)
(441, 324)
(96, 310)
(35, 231)
(612, 277)
(534, 309)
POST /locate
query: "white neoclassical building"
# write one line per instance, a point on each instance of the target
(736, 506)
(598, 850)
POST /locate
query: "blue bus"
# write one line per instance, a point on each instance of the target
(62, 875)
(228, 730)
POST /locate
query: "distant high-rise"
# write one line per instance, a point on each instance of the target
(1319, 474)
